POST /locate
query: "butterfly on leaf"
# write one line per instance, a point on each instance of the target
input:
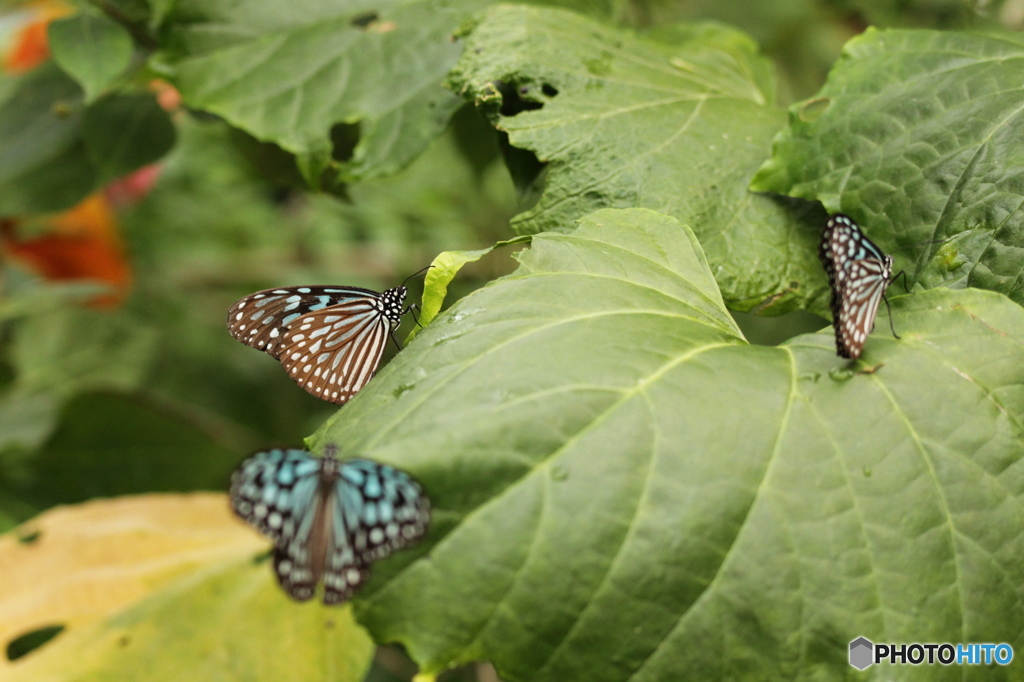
(329, 519)
(858, 275)
(329, 339)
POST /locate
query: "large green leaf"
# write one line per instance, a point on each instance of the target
(677, 125)
(74, 349)
(54, 149)
(59, 353)
(917, 134)
(289, 72)
(43, 164)
(623, 489)
(84, 416)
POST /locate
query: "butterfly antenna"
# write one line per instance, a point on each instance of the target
(415, 274)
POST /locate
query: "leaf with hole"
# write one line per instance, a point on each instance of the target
(676, 124)
(125, 580)
(916, 136)
(613, 468)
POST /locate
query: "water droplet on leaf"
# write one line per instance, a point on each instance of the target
(841, 373)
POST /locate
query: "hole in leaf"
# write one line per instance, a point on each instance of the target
(549, 90)
(30, 538)
(362, 21)
(514, 99)
(344, 138)
(30, 641)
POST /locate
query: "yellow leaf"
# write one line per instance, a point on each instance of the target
(162, 587)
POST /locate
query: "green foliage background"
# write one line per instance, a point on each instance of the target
(632, 479)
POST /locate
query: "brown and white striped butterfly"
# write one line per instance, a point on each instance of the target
(329, 339)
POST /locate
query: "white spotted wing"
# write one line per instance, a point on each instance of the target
(330, 340)
(329, 519)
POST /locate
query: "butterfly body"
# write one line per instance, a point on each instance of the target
(858, 275)
(329, 339)
(329, 519)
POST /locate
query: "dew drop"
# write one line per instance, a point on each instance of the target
(841, 373)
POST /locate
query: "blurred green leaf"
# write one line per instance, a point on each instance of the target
(43, 165)
(75, 349)
(634, 479)
(108, 444)
(622, 121)
(950, 14)
(54, 150)
(288, 74)
(39, 299)
(916, 136)
(92, 49)
(84, 417)
(125, 132)
(27, 418)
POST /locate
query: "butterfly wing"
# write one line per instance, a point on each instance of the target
(858, 273)
(279, 493)
(332, 353)
(376, 510)
(260, 320)
(860, 296)
(827, 255)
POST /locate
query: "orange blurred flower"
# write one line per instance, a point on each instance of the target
(81, 243)
(29, 47)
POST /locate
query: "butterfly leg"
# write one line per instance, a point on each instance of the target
(412, 308)
(887, 307)
(896, 276)
(397, 343)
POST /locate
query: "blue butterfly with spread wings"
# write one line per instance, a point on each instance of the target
(329, 519)
(858, 275)
(329, 339)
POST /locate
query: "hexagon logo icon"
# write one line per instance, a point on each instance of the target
(861, 650)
